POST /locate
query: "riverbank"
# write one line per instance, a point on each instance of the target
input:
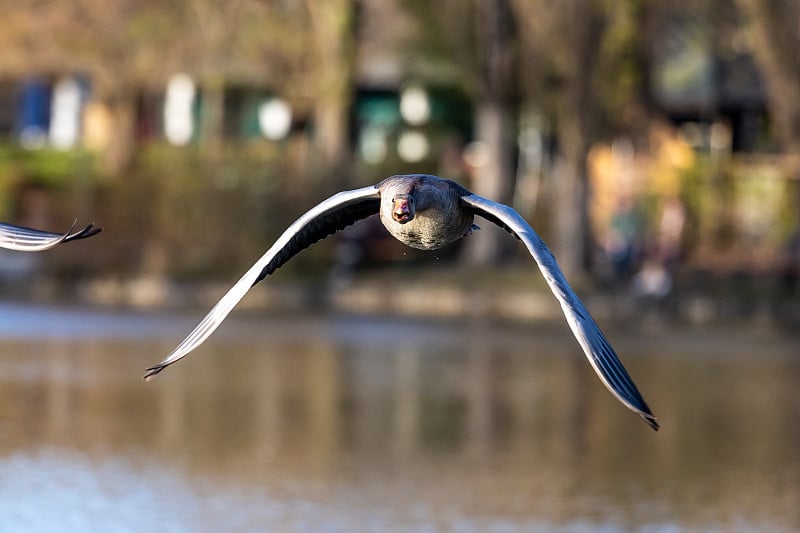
(503, 296)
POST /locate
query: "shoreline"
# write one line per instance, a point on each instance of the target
(422, 301)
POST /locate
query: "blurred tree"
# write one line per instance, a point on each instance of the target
(540, 57)
(332, 35)
(571, 34)
(474, 44)
(587, 68)
(775, 41)
(580, 38)
(496, 106)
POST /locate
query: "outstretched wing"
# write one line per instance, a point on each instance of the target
(328, 217)
(595, 345)
(34, 240)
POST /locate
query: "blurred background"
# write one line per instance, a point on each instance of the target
(655, 147)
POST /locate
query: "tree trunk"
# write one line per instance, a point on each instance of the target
(330, 138)
(494, 122)
(213, 109)
(495, 130)
(572, 233)
(333, 49)
(572, 240)
(119, 153)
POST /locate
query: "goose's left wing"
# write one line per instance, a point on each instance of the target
(34, 240)
(328, 217)
(595, 345)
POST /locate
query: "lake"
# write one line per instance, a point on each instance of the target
(348, 424)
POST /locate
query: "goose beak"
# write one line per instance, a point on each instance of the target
(402, 211)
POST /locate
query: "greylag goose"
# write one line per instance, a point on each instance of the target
(425, 212)
(34, 240)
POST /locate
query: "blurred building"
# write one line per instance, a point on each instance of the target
(407, 116)
(697, 82)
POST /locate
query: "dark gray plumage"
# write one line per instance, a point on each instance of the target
(426, 212)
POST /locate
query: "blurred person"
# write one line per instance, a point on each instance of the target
(790, 268)
(622, 243)
(669, 237)
(786, 303)
(654, 280)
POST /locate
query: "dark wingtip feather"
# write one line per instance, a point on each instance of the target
(152, 371)
(651, 421)
(90, 231)
(86, 232)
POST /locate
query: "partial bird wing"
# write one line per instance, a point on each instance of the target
(33, 240)
(595, 345)
(328, 217)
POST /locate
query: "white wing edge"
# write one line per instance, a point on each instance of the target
(28, 239)
(225, 305)
(591, 339)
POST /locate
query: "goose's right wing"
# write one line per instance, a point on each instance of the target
(595, 345)
(328, 217)
(34, 240)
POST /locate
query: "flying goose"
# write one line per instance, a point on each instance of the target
(425, 212)
(34, 240)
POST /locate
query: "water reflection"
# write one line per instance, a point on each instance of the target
(311, 425)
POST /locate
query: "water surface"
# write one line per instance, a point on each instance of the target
(349, 424)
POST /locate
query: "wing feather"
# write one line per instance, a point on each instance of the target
(33, 240)
(326, 218)
(595, 345)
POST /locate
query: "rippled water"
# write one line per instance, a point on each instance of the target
(348, 424)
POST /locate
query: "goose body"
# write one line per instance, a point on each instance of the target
(425, 212)
(33, 240)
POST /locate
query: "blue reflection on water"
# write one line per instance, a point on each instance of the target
(57, 491)
(61, 492)
(35, 321)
